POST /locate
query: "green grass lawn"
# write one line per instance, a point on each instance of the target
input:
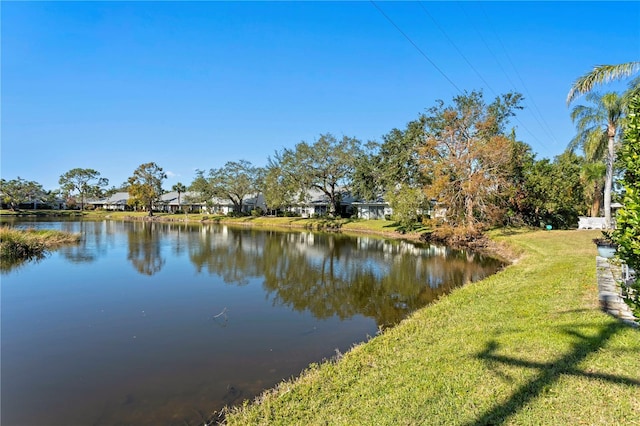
(527, 346)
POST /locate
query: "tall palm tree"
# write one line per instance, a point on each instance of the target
(180, 189)
(602, 74)
(599, 127)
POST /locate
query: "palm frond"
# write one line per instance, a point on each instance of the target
(595, 145)
(633, 90)
(599, 75)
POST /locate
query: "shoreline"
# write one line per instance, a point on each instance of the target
(485, 244)
(468, 358)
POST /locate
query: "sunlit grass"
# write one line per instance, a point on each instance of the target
(526, 346)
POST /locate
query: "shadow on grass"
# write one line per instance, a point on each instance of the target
(549, 373)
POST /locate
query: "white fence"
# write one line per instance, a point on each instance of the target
(591, 223)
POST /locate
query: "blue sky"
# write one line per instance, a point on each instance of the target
(112, 85)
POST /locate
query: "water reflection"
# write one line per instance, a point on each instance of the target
(233, 254)
(331, 274)
(9, 263)
(145, 251)
(379, 279)
(83, 252)
(154, 323)
(326, 274)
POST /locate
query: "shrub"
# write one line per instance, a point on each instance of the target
(627, 232)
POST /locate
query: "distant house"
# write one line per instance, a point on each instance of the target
(219, 206)
(117, 201)
(171, 202)
(377, 209)
(316, 203)
(253, 202)
(224, 206)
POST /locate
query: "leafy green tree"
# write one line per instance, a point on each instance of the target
(399, 155)
(234, 182)
(466, 155)
(602, 74)
(593, 177)
(275, 187)
(18, 191)
(627, 232)
(84, 182)
(366, 183)
(326, 165)
(518, 170)
(382, 166)
(407, 203)
(554, 192)
(202, 191)
(598, 129)
(145, 186)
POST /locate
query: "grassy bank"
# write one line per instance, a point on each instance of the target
(526, 346)
(18, 244)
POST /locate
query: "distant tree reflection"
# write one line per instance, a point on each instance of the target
(144, 247)
(88, 247)
(333, 275)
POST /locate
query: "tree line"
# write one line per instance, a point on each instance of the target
(462, 157)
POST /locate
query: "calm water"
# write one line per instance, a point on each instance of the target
(155, 323)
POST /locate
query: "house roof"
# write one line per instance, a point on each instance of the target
(315, 196)
(117, 198)
(171, 198)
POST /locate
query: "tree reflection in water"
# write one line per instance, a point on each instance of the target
(144, 247)
(335, 275)
(96, 237)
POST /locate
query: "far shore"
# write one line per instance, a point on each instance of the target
(379, 227)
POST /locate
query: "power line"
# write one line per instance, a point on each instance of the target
(457, 49)
(416, 46)
(463, 56)
(543, 125)
(505, 73)
(474, 68)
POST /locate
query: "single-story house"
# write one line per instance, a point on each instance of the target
(172, 202)
(316, 203)
(224, 206)
(377, 209)
(117, 201)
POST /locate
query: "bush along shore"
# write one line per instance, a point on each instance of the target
(19, 245)
(526, 346)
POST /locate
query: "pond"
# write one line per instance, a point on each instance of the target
(162, 323)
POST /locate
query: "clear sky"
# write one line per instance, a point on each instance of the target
(112, 85)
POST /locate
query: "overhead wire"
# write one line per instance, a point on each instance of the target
(542, 122)
(416, 47)
(444, 33)
(506, 75)
(425, 56)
